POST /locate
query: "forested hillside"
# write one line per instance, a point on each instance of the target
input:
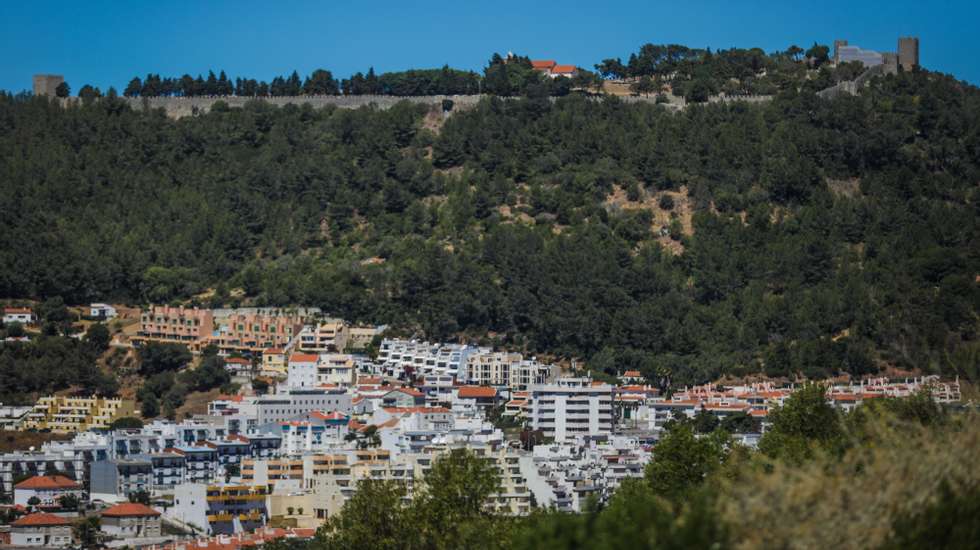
(799, 236)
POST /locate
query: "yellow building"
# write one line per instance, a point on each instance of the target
(77, 414)
(274, 362)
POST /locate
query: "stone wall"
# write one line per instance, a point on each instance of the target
(177, 107)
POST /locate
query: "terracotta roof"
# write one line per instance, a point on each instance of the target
(563, 69)
(476, 392)
(40, 519)
(14, 310)
(48, 482)
(128, 509)
(238, 361)
(304, 358)
(274, 351)
(632, 373)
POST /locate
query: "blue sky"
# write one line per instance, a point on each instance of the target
(107, 43)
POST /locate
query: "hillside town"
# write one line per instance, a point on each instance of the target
(340, 404)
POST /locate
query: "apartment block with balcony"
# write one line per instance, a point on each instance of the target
(177, 325)
(508, 370)
(220, 510)
(571, 407)
(252, 333)
(76, 414)
(326, 336)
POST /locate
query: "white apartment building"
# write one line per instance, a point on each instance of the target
(571, 407)
(336, 369)
(405, 358)
(302, 370)
(510, 370)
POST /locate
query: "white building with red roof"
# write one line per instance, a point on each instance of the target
(22, 315)
(131, 520)
(42, 530)
(47, 489)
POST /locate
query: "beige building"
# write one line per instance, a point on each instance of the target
(177, 325)
(131, 520)
(510, 370)
(77, 414)
(334, 486)
(330, 335)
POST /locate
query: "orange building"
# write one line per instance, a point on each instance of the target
(178, 325)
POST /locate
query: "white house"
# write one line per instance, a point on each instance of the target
(131, 520)
(42, 530)
(102, 311)
(301, 370)
(22, 315)
(47, 489)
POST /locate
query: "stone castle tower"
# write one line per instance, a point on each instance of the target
(908, 52)
(46, 84)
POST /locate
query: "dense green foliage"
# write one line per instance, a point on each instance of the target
(444, 81)
(697, 73)
(319, 82)
(826, 235)
(166, 385)
(49, 363)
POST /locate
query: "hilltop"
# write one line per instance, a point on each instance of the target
(801, 236)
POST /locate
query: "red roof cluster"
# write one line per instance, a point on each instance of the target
(304, 358)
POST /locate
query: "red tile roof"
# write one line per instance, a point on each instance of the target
(238, 361)
(40, 519)
(477, 392)
(129, 509)
(304, 358)
(632, 374)
(274, 351)
(563, 69)
(17, 310)
(48, 482)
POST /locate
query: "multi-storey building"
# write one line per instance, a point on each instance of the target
(410, 358)
(571, 407)
(219, 509)
(252, 333)
(178, 325)
(122, 477)
(46, 489)
(71, 457)
(274, 362)
(509, 370)
(41, 530)
(131, 520)
(76, 414)
(201, 462)
(327, 336)
(335, 369)
(296, 402)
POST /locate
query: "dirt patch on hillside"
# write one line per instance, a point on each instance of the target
(682, 211)
(850, 187)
